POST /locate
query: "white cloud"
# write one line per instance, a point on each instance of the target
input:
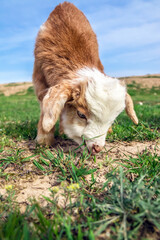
(17, 57)
(130, 72)
(135, 24)
(138, 56)
(14, 39)
(130, 37)
(132, 13)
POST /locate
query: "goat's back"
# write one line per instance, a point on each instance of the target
(65, 43)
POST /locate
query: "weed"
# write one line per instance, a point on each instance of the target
(64, 164)
(146, 163)
(14, 158)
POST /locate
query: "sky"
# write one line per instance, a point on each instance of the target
(128, 33)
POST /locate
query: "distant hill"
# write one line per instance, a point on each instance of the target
(149, 80)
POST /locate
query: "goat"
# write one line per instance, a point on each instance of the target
(70, 82)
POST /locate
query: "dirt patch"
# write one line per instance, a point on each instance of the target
(30, 183)
(13, 88)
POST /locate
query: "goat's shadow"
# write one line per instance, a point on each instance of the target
(64, 145)
(27, 131)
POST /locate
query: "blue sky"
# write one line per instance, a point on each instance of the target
(128, 33)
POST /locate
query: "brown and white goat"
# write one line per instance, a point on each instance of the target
(70, 82)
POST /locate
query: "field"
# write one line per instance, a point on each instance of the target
(64, 192)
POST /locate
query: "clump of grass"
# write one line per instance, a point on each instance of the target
(14, 158)
(146, 163)
(137, 203)
(126, 131)
(64, 164)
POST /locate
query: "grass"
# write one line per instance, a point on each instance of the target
(48, 162)
(20, 119)
(146, 164)
(126, 210)
(126, 205)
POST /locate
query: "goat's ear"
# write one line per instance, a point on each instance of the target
(130, 109)
(78, 95)
(53, 103)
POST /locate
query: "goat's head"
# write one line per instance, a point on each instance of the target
(88, 106)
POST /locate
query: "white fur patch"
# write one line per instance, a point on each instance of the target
(52, 105)
(74, 131)
(105, 98)
(43, 27)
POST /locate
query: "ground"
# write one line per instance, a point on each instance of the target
(32, 173)
(29, 184)
(148, 81)
(12, 88)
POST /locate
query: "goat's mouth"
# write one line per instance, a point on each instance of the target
(92, 149)
(91, 145)
(84, 146)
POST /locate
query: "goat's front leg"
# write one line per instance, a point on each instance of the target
(44, 138)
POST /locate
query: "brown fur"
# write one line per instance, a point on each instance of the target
(78, 99)
(66, 44)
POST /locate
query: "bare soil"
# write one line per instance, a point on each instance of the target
(146, 81)
(12, 88)
(30, 183)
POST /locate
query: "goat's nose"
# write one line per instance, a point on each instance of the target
(96, 148)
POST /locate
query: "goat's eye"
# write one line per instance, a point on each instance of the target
(81, 115)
